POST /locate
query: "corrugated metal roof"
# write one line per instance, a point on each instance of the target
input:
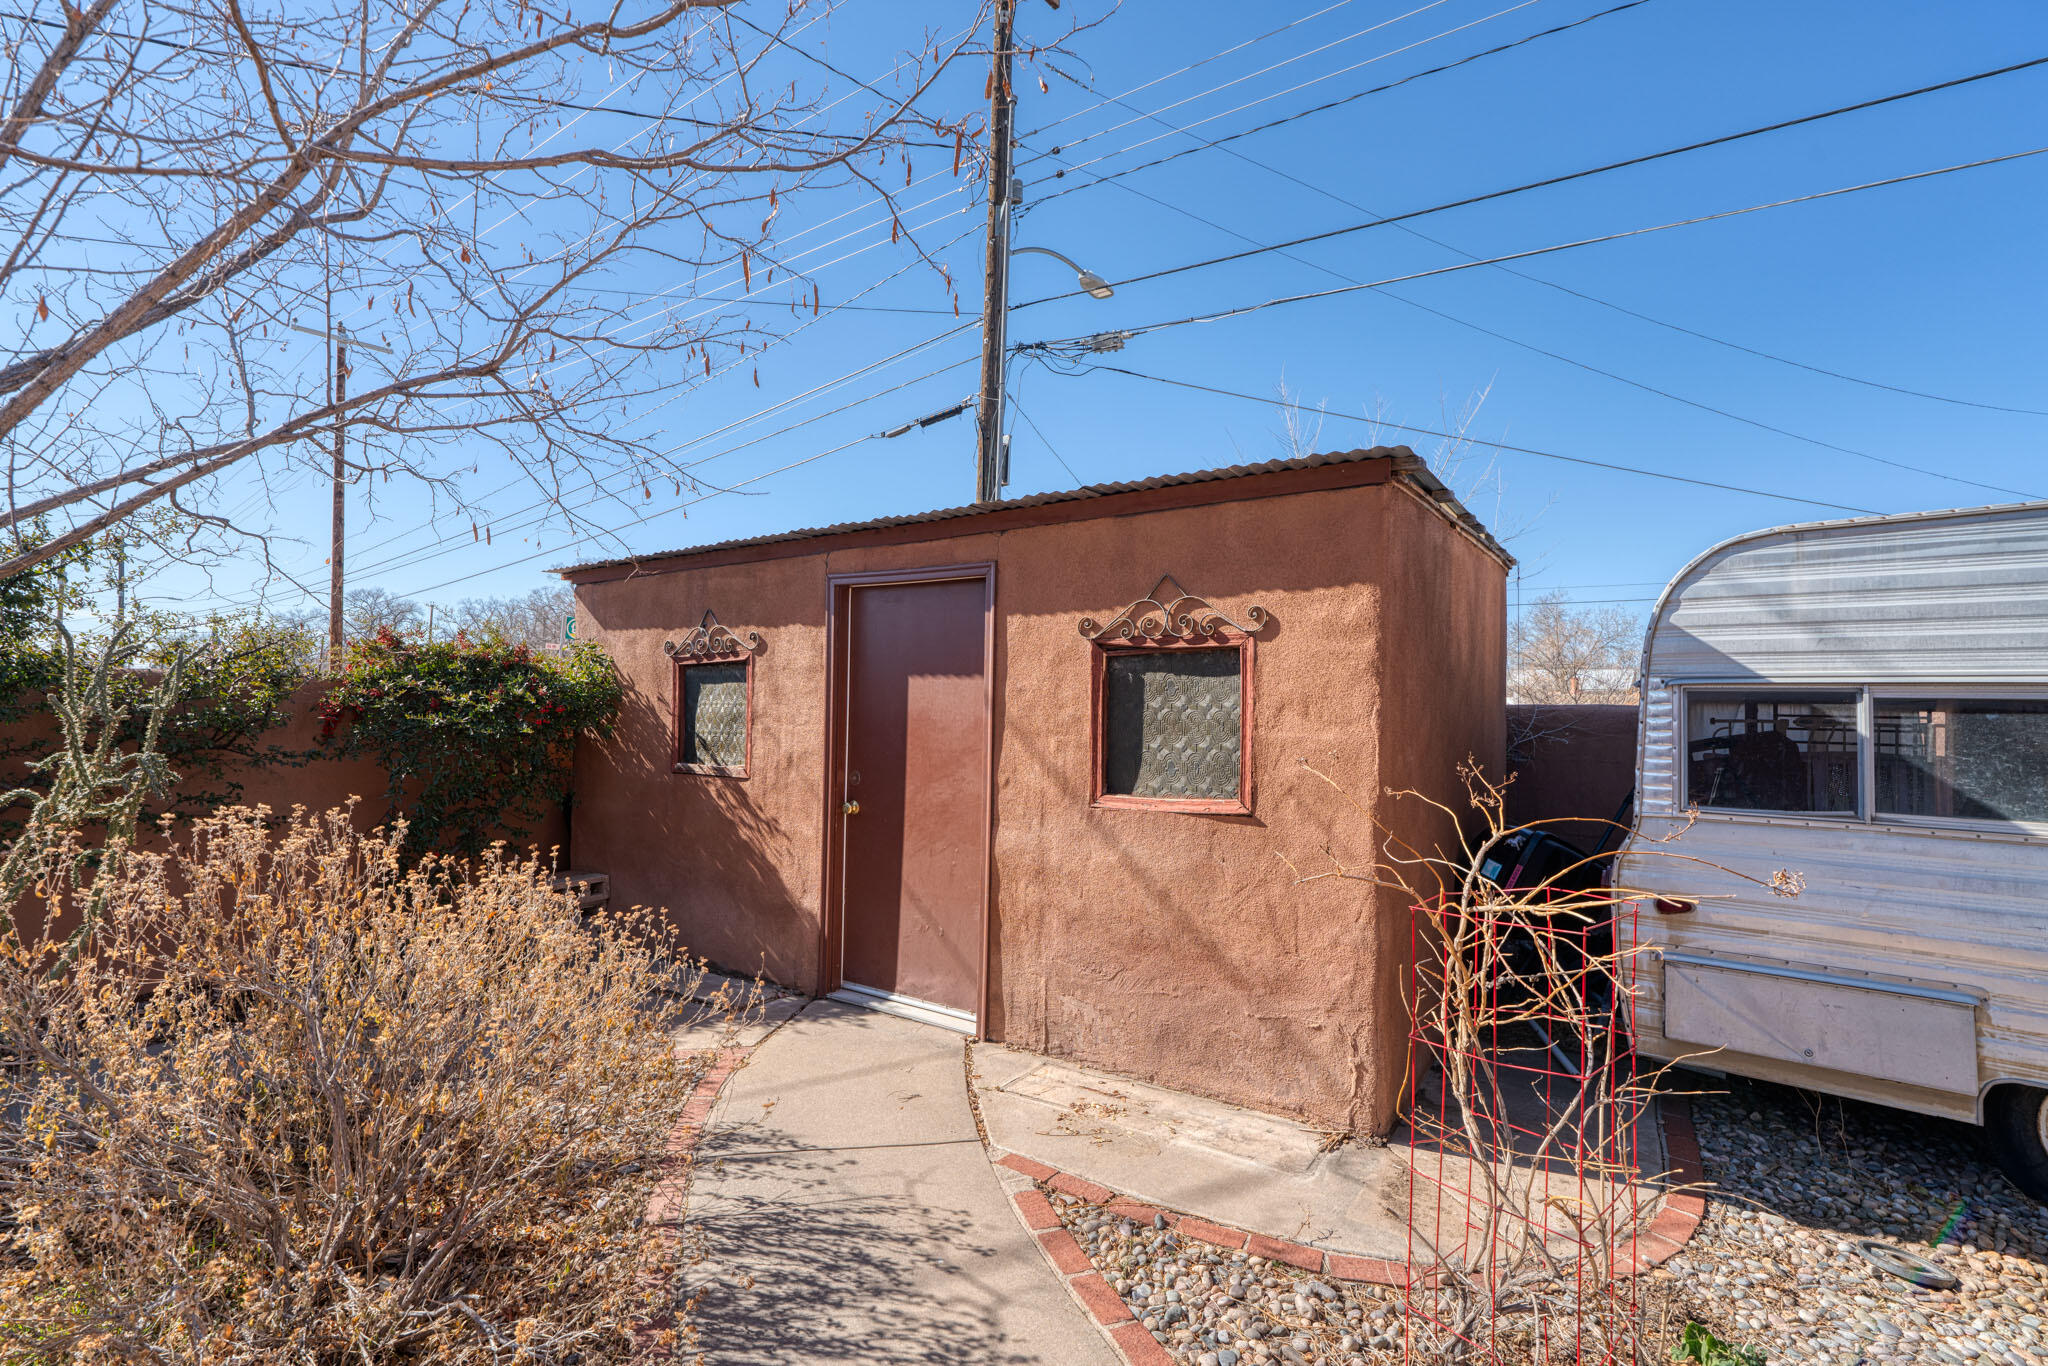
(1408, 468)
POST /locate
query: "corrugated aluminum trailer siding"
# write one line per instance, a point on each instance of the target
(1940, 598)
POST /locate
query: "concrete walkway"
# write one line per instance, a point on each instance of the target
(849, 1213)
(1236, 1167)
(1246, 1170)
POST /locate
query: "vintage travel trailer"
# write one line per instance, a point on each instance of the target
(1862, 707)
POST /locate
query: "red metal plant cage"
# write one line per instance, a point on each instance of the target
(1527, 1130)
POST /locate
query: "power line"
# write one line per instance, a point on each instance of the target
(1710, 408)
(1553, 355)
(1182, 71)
(443, 544)
(1570, 176)
(1332, 104)
(1523, 255)
(296, 65)
(1047, 441)
(729, 368)
(1761, 355)
(1303, 56)
(1491, 445)
(1418, 234)
(433, 548)
(449, 544)
(929, 420)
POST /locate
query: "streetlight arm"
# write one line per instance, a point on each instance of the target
(1048, 251)
(1093, 284)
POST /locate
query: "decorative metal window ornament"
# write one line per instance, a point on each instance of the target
(711, 640)
(1171, 613)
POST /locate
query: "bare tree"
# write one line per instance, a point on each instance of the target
(1301, 427)
(525, 207)
(1558, 653)
(537, 620)
(367, 611)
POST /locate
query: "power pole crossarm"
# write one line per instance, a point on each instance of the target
(1002, 102)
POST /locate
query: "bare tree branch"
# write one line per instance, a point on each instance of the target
(436, 177)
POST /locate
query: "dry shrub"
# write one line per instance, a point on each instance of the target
(304, 1103)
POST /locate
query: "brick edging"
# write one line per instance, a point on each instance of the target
(1682, 1208)
(668, 1204)
(1105, 1308)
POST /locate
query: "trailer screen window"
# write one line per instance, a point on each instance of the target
(1978, 759)
(1777, 752)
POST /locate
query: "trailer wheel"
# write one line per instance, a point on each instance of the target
(2016, 1123)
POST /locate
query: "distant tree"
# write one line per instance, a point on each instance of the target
(366, 611)
(535, 620)
(1558, 653)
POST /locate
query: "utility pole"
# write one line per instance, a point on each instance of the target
(334, 564)
(337, 394)
(1002, 103)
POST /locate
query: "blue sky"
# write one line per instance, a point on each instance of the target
(1935, 286)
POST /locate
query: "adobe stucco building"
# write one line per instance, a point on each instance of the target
(1036, 768)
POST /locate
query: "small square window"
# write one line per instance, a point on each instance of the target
(714, 704)
(1772, 752)
(1173, 727)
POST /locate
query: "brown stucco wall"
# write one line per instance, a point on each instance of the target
(1573, 766)
(1442, 709)
(736, 862)
(1174, 947)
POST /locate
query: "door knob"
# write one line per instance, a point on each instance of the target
(851, 808)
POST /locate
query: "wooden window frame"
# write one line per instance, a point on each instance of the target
(1098, 726)
(745, 766)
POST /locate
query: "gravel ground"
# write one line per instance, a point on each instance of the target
(1213, 1307)
(1794, 1179)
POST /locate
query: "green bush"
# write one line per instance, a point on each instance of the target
(476, 736)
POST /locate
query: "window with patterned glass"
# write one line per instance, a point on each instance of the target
(1173, 727)
(1772, 751)
(1962, 758)
(711, 718)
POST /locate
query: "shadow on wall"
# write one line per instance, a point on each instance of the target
(1574, 765)
(701, 849)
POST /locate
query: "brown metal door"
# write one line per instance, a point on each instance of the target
(916, 728)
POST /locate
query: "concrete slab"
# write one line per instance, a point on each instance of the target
(847, 1212)
(736, 1012)
(1236, 1167)
(1219, 1162)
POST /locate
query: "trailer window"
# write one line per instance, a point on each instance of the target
(1775, 752)
(1970, 758)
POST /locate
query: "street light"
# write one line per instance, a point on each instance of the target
(991, 461)
(1096, 286)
